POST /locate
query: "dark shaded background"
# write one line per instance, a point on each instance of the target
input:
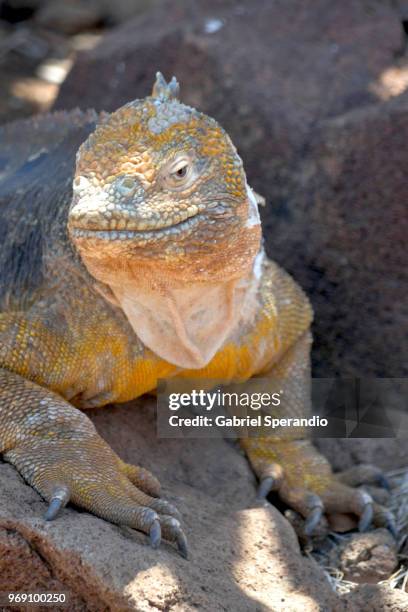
(314, 96)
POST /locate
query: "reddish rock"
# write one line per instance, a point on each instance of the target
(348, 244)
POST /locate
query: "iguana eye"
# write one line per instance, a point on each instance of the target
(180, 174)
(181, 171)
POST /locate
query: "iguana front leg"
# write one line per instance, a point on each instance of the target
(57, 450)
(289, 464)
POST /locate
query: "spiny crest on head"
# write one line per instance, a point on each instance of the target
(163, 90)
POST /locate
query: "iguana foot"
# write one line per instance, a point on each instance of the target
(304, 481)
(57, 450)
(89, 474)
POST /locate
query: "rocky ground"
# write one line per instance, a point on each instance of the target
(244, 556)
(315, 98)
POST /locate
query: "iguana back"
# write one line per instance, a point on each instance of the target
(37, 159)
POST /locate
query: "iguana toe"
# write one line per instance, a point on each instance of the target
(385, 518)
(142, 479)
(164, 507)
(364, 473)
(173, 532)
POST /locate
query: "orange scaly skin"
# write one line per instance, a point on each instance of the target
(160, 206)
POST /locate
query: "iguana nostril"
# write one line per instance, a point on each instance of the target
(127, 185)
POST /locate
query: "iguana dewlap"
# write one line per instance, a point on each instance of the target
(142, 262)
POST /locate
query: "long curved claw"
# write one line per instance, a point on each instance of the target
(314, 517)
(367, 514)
(182, 544)
(383, 482)
(155, 534)
(173, 532)
(58, 501)
(265, 487)
(390, 525)
(269, 480)
(385, 518)
(53, 509)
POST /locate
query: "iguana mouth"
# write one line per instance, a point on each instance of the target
(131, 234)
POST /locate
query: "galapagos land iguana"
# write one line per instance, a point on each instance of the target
(140, 261)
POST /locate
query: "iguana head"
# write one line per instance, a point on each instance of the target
(160, 199)
(160, 183)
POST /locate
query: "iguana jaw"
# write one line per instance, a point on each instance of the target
(135, 234)
(202, 248)
(82, 225)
